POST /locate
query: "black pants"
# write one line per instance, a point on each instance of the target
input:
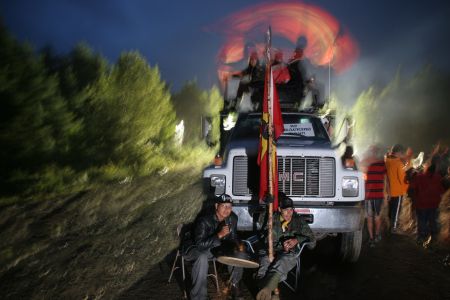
(394, 203)
(427, 222)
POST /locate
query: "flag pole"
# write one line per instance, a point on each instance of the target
(270, 143)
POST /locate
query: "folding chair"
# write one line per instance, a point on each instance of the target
(181, 256)
(296, 271)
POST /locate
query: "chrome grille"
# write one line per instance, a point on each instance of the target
(240, 176)
(306, 176)
(297, 176)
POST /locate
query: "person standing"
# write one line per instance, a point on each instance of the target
(375, 186)
(428, 190)
(209, 231)
(397, 183)
(250, 79)
(298, 75)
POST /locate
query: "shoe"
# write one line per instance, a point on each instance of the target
(371, 243)
(394, 230)
(236, 293)
(264, 294)
(378, 238)
(275, 297)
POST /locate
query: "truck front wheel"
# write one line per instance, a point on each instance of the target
(350, 246)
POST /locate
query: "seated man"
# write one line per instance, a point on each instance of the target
(208, 232)
(289, 230)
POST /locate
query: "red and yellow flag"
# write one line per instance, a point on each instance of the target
(270, 94)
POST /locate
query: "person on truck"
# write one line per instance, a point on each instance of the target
(288, 232)
(249, 79)
(297, 70)
(208, 232)
(279, 68)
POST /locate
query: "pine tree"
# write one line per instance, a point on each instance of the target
(135, 114)
(35, 124)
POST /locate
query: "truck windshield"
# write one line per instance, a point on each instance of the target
(295, 125)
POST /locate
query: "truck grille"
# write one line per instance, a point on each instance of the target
(297, 176)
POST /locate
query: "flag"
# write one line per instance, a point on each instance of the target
(270, 91)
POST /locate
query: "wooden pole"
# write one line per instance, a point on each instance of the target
(270, 141)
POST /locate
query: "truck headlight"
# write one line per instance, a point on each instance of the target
(350, 187)
(218, 182)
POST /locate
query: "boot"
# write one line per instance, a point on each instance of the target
(236, 293)
(270, 284)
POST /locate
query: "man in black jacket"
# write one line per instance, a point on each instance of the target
(209, 231)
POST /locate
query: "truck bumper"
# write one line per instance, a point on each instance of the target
(334, 219)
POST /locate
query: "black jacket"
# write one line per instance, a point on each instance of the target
(204, 234)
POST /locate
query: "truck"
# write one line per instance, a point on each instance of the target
(329, 196)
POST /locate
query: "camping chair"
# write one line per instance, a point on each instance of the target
(180, 231)
(295, 272)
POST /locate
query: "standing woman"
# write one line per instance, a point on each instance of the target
(428, 190)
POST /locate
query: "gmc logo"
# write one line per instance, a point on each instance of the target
(296, 176)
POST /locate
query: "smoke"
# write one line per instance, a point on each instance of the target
(400, 94)
(413, 111)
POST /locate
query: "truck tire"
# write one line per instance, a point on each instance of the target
(350, 246)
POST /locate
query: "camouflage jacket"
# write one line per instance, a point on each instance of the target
(297, 228)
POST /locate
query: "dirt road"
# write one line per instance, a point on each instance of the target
(118, 243)
(396, 268)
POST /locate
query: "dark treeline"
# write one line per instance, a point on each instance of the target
(76, 119)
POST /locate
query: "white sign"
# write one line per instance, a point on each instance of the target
(304, 129)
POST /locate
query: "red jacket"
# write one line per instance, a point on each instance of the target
(428, 190)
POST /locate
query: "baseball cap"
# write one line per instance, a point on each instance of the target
(224, 198)
(285, 201)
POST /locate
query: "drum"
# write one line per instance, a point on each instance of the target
(236, 254)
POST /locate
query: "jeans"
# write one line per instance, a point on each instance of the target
(282, 264)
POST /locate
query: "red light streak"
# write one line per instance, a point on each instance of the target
(327, 41)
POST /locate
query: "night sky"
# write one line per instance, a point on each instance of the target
(177, 35)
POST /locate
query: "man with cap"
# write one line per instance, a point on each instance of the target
(289, 231)
(208, 232)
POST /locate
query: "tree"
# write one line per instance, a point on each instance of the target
(133, 113)
(35, 125)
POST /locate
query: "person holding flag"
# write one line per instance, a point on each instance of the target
(290, 230)
(272, 127)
